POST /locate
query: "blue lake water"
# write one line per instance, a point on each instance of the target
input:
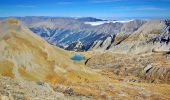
(78, 58)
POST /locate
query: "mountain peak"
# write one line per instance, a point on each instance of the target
(12, 21)
(10, 24)
(89, 19)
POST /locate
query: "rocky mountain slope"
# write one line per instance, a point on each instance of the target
(86, 34)
(151, 37)
(151, 33)
(24, 55)
(30, 68)
(64, 32)
(143, 54)
(151, 68)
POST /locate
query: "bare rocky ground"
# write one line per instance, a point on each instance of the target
(12, 89)
(150, 68)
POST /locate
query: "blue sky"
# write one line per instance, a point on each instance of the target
(85, 8)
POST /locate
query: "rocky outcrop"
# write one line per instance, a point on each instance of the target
(156, 74)
(76, 46)
(102, 44)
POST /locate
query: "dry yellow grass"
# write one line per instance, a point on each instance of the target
(6, 68)
(12, 21)
(26, 75)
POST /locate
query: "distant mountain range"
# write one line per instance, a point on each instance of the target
(75, 34)
(64, 32)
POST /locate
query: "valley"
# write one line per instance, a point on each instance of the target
(124, 61)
